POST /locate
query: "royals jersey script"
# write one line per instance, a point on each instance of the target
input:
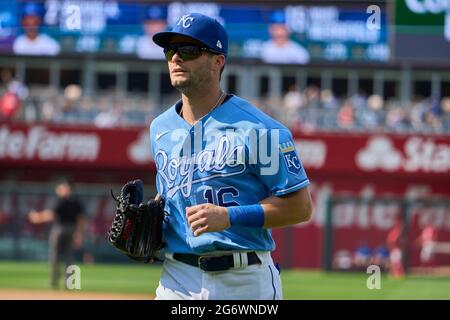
(235, 155)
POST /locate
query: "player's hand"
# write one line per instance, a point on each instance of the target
(34, 217)
(207, 217)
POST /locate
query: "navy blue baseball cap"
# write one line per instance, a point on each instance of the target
(198, 27)
(32, 9)
(278, 17)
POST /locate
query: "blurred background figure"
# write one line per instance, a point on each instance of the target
(328, 100)
(280, 48)
(395, 242)
(345, 118)
(10, 106)
(381, 257)
(370, 112)
(342, 260)
(362, 256)
(427, 242)
(108, 118)
(66, 233)
(293, 101)
(70, 103)
(155, 21)
(32, 42)
(14, 93)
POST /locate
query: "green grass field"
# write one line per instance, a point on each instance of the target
(298, 284)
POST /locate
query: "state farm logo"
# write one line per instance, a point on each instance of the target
(139, 150)
(379, 154)
(418, 154)
(45, 145)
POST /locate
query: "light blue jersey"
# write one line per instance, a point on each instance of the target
(235, 155)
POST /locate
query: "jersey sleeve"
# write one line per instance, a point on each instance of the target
(284, 173)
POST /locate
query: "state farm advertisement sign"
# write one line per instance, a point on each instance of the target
(417, 154)
(58, 146)
(38, 143)
(321, 153)
(376, 153)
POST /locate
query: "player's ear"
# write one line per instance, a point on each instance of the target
(219, 62)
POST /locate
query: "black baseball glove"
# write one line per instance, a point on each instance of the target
(137, 228)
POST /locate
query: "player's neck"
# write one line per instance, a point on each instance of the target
(197, 105)
(32, 36)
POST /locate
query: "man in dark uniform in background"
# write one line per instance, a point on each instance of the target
(67, 230)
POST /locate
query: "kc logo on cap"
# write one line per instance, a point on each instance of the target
(186, 21)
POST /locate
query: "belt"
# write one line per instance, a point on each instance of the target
(213, 263)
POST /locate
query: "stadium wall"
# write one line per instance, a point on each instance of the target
(359, 165)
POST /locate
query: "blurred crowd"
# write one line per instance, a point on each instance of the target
(314, 109)
(106, 109)
(311, 109)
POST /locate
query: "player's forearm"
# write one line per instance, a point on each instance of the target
(44, 216)
(291, 209)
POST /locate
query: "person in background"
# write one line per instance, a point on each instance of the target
(395, 242)
(155, 21)
(345, 116)
(12, 94)
(381, 257)
(280, 48)
(362, 256)
(293, 102)
(66, 233)
(427, 241)
(10, 106)
(32, 42)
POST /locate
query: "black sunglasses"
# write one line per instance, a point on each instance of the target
(185, 51)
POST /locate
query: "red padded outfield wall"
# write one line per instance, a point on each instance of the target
(413, 166)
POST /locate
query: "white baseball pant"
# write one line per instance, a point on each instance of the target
(180, 281)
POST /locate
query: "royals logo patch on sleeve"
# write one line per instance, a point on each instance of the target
(291, 158)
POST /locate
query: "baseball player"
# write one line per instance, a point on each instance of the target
(32, 42)
(66, 233)
(228, 172)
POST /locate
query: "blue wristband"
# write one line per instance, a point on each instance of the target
(247, 216)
